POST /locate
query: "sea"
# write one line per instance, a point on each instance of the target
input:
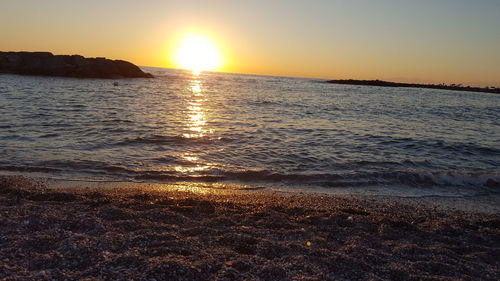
(262, 131)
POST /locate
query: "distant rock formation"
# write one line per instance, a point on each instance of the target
(47, 64)
(380, 83)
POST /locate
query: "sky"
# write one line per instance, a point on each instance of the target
(425, 41)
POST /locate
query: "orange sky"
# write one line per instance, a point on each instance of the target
(418, 41)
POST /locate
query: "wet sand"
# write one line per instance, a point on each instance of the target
(51, 233)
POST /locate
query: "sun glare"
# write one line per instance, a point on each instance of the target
(197, 53)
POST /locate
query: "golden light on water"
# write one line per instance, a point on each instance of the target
(196, 125)
(196, 119)
(197, 53)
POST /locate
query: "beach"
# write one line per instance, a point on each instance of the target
(52, 233)
(232, 140)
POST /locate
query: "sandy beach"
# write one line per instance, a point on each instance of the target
(141, 234)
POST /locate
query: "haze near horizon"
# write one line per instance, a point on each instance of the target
(407, 41)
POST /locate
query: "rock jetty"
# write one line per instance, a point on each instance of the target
(451, 87)
(47, 64)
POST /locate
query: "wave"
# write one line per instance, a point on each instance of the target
(117, 120)
(407, 177)
(29, 169)
(413, 143)
(411, 178)
(179, 139)
(51, 135)
(396, 178)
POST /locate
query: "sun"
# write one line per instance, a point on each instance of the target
(197, 53)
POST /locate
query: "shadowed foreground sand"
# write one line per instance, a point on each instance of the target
(173, 235)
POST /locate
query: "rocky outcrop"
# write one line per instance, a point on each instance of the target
(380, 83)
(47, 64)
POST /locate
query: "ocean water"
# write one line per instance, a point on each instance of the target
(257, 130)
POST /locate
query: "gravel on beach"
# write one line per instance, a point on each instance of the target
(49, 234)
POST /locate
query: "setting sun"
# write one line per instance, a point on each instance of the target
(197, 53)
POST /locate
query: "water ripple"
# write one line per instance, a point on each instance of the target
(248, 128)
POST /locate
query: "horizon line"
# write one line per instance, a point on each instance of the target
(327, 79)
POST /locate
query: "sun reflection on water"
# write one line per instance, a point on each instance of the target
(195, 125)
(190, 158)
(196, 120)
(183, 169)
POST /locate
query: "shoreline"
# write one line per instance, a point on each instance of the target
(203, 234)
(480, 203)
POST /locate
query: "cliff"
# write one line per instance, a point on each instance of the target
(47, 64)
